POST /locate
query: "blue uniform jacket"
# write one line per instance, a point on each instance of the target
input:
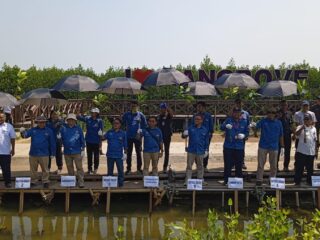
(43, 142)
(131, 122)
(117, 143)
(72, 139)
(207, 121)
(152, 139)
(271, 131)
(240, 126)
(55, 126)
(198, 140)
(93, 127)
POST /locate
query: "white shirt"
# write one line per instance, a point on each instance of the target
(6, 134)
(299, 117)
(307, 141)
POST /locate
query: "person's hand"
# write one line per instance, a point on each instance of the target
(293, 137)
(206, 154)
(252, 125)
(229, 126)
(160, 154)
(12, 152)
(282, 151)
(139, 131)
(240, 136)
(186, 133)
(22, 130)
(124, 157)
(52, 157)
(59, 136)
(100, 133)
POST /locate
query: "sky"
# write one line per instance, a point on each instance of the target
(156, 33)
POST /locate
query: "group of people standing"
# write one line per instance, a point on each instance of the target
(54, 137)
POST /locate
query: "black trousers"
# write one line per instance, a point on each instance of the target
(5, 164)
(205, 160)
(137, 145)
(303, 161)
(93, 151)
(58, 156)
(232, 157)
(9, 118)
(166, 143)
(287, 152)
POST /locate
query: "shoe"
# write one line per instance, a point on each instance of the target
(59, 171)
(286, 169)
(81, 185)
(244, 167)
(204, 183)
(8, 185)
(185, 184)
(95, 171)
(139, 171)
(318, 166)
(89, 172)
(206, 170)
(259, 183)
(127, 172)
(164, 170)
(46, 185)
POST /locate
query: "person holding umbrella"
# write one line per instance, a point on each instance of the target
(94, 126)
(236, 129)
(43, 145)
(207, 123)
(117, 149)
(164, 120)
(7, 148)
(72, 139)
(133, 121)
(198, 144)
(55, 123)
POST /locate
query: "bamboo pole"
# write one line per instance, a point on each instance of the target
(21, 201)
(150, 201)
(318, 198)
(108, 200)
(193, 202)
(278, 198)
(236, 201)
(67, 202)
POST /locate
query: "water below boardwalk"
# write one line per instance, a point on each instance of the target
(131, 211)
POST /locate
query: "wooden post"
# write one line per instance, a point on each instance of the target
(21, 201)
(67, 203)
(108, 201)
(297, 199)
(247, 198)
(236, 201)
(278, 198)
(314, 198)
(318, 198)
(193, 202)
(150, 201)
(222, 200)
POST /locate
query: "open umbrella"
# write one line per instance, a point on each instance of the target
(164, 77)
(240, 80)
(279, 88)
(43, 97)
(76, 83)
(7, 99)
(121, 85)
(202, 89)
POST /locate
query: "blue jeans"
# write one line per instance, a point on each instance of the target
(119, 163)
(232, 157)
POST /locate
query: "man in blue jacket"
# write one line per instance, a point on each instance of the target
(197, 146)
(72, 139)
(153, 146)
(270, 140)
(94, 126)
(132, 121)
(117, 149)
(236, 131)
(42, 146)
(208, 122)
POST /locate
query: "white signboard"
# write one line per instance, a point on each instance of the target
(315, 181)
(151, 181)
(194, 184)
(23, 182)
(277, 183)
(68, 181)
(109, 181)
(235, 183)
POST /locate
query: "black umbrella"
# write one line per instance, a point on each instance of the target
(202, 89)
(121, 85)
(76, 83)
(7, 99)
(240, 80)
(43, 97)
(279, 88)
(164, 77)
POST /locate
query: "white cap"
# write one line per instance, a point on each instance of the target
(95, 110)
(72, 116)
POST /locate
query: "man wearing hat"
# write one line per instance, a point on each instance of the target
(298, 117)
(164, 120)
(94, 126)
(316, 109)
(73, 142)
(307, 149)
(43, 146)
(134, 120)
(236, 129)
(7, 148)
(207, 123)
(270, 139)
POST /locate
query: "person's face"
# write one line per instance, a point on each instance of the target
(307, 122)
(134, 108)
(94, 115)
(163, 110)
(236, 115)
(271, 114)
(284, 106)
(2, 118)
(305, 107)
(41, 124)
(54, 116)
(200, 108)
(152, 122)
(71, 122)
(198, 120)
(238, 104)
(116, 124)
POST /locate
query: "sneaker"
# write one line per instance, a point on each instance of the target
(204, 183)
(46, 185)
(127, 172)
(244, 167)
(8, 185)
(81, 185)
(139, 171)
(95, 171)
(59, 171)
(89, 172)
(259, 183)
(206, 170)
